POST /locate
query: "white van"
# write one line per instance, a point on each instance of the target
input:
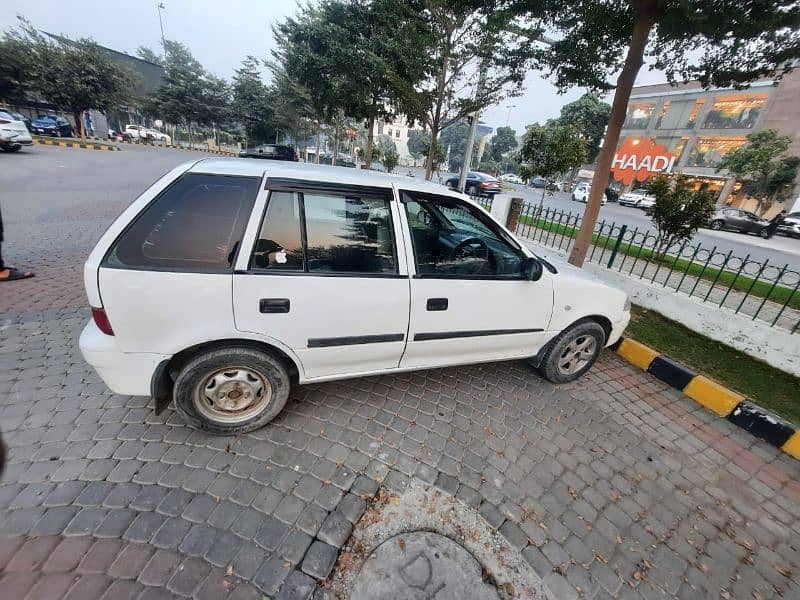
(229, 279)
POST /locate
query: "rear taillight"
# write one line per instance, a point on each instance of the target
(101, 320)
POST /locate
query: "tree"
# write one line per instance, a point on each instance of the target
(679, 211)
(504, 140)
(74, 75)
(326, 42)
(390, 159)
(762, 163)
(291, 103)
(149, 55)
(718, 42)
(467, 43)
(15, 68)
(454, 140)
(418, 141)
(250, 103)
(548, 150)
(590, 115)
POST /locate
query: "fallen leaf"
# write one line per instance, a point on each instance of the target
(402, 543)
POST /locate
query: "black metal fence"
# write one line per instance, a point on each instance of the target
(753, 288)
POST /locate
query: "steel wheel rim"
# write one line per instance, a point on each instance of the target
(232, 395)
(577, 354)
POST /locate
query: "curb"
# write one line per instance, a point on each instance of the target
(85, 146)
(219, 152)
(712, 396)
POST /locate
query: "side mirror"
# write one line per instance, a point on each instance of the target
(532, 269)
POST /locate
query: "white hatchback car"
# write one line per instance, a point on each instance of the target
(230, 278)
(581, 194)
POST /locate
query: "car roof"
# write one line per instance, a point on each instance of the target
(313, 172)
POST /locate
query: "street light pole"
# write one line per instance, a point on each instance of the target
(508, 116)
(462, 180)
(161, 23)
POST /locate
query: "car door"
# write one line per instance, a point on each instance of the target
(752, 223)
(323, 278)
(469, 299)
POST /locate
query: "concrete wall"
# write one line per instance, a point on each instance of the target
(775, 346)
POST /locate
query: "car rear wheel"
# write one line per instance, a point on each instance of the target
(573, 352)
(716, 224)
(231, 390)
(764, 233)
(450, 185)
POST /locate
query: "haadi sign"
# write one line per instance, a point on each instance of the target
(640, 159)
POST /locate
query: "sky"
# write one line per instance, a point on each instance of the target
(221, 34)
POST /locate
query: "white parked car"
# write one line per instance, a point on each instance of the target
(581, 194)
(139, 131)
(637, 199)
(13, 133)
(511, 178)
(229, 279)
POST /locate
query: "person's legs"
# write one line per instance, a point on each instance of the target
(8, 273)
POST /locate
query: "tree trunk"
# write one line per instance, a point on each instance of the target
(437, 115)
(541, 201)
(645, 17)
(319, 132)
(78, 116)
(335, 142)
(370, 133)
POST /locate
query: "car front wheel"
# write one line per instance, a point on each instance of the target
(764, 233)
(573, 352)
(231, 390)
(716, 224)
(11, 148)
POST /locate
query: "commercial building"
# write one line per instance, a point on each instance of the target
(686, 129)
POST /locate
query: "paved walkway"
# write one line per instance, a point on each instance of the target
(614, 486)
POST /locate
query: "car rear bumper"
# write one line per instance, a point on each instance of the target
(128, 373)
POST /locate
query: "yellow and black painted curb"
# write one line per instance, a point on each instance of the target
(84, 145)
(219, 152)
(713, 396)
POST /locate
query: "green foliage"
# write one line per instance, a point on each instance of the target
(390, 159)
(590, 115)
(73, 75)
(251, 104)
(385, 144)
(548, 150)
(454, 140)
(149, 55)
(768, 172)
(503, 141)
(418, 142)
(679, 211)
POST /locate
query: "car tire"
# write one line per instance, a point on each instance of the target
(556, 366)
(450, 185)
(11, 148)
(764, 233)
(717, 224)
(247, 371)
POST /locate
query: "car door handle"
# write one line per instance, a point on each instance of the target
(436, 304)
(274, 305)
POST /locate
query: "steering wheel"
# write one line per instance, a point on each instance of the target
(459, 250)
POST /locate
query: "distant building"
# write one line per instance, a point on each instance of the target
(398, 128)
(687, 130)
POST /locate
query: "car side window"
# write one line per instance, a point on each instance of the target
(318, 231)
(454, 239)
(193, 225)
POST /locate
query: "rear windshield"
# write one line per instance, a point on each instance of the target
(193, 225)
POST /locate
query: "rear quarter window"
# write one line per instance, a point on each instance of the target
(193, 225)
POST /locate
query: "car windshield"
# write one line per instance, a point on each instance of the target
(5, 115)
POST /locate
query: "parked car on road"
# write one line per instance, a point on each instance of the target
(20, 117)
(638, 199)
(250, 275)
(511, 178)
(581, 194)
(145, 133)
(478, 184)
(612, 195)
(51, 125)
(271, 152)
(790, 225)
(739, 220)
(13, 133)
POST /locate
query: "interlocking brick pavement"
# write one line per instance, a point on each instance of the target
(614, 486)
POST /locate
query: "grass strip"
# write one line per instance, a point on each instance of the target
(767, 386)
(742, 283)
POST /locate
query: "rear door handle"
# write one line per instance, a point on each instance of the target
(436, 304)
(274, 305)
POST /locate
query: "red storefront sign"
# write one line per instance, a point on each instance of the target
(640, 159)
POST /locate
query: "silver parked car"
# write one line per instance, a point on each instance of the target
(739, 220)
(790, 225)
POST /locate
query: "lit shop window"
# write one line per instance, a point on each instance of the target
(735, 112)
(674, 145)
(639, 115)
(707, 151)
(679, 114)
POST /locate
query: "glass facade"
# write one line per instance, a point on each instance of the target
(639, 114)
(708, 151)
(679, 114)
(739, 111)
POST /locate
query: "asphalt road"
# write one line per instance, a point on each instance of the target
(73, 181)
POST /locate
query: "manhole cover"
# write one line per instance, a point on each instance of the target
(421, 565)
